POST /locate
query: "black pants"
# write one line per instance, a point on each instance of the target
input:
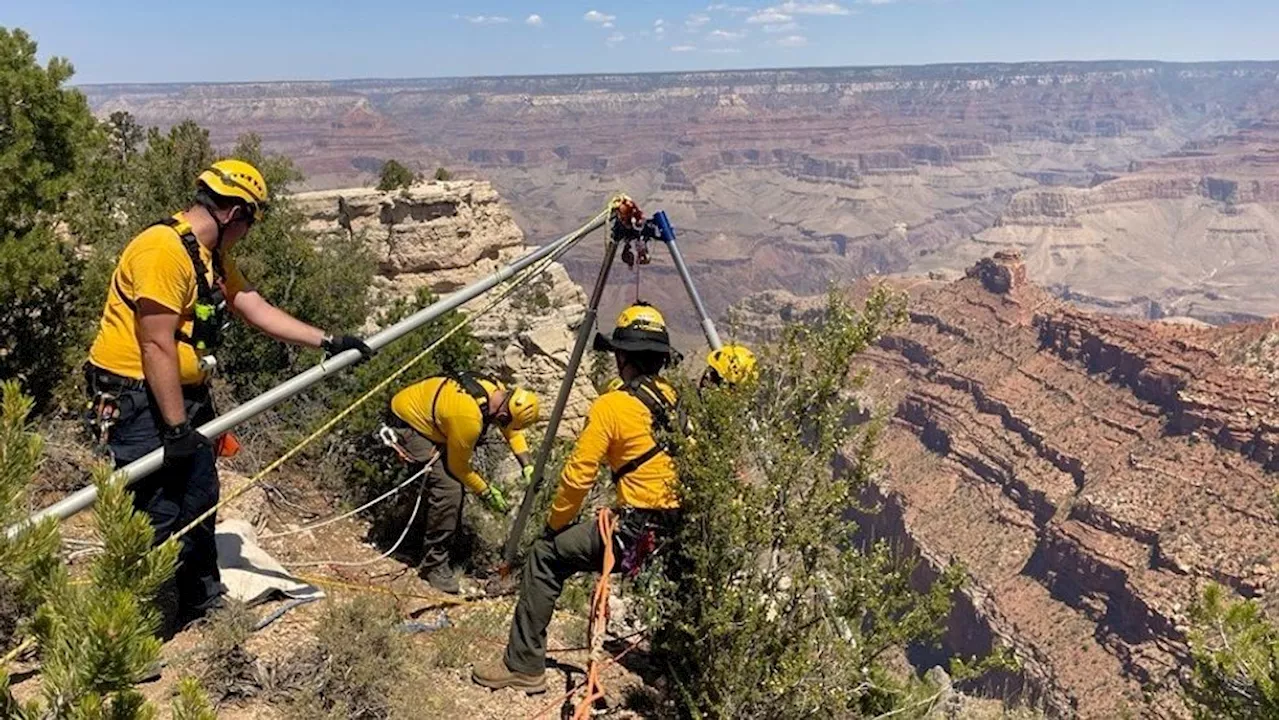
(175, 494)
(444, 500)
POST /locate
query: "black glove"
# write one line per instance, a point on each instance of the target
(342, 343)
(181, 443)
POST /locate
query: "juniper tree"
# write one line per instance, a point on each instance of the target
(768, 607)
(394, 176)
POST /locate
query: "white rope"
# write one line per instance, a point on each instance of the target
(530, 273)
(362, 508)
(360, 563)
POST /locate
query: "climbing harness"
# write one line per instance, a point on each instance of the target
(470, 383)
(210, 316)
(110, 398)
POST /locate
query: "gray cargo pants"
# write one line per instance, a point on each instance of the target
(444, 500)
(551, 562)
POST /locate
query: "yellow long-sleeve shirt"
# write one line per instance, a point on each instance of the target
(445, 414)
(619, 427)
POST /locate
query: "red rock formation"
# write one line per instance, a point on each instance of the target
(1091, 473)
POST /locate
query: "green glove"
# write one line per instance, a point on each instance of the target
(492, 498)
(527, 471)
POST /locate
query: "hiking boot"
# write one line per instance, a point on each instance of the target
(443, 579)
(496, 676)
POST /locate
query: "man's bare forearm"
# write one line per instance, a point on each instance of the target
(160, 367)
(276, 322)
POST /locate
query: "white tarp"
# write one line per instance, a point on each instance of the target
(250, 574)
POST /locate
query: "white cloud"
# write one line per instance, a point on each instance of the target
(607, 24)
(726, 35)
(808, 8)
(726, 7)
(535, 20)
(695, 21)
(683, 48)
(793, 41)
(659, 22)
(614, 39)
(780, 27)
(595, 16)
(769, 15)
(485, 19)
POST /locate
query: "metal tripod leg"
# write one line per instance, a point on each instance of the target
(668, 237)
(562, 398)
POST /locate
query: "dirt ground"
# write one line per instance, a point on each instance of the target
(440, 661)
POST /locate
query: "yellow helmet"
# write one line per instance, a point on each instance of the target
(640, 328)
(732, 364)
(237, 179)
(523, 406)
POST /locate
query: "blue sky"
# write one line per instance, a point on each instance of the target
(243, 40)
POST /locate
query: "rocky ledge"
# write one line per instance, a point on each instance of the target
(1091, 473)
(445, 235)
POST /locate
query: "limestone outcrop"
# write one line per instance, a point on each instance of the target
(445, 235)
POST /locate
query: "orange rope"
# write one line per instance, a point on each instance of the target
(565, 696)
(599, 619)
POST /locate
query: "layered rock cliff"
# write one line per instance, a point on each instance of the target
(444, 235)
(1091, 473)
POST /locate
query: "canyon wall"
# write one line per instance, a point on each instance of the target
(1091, 473)
(792, 178)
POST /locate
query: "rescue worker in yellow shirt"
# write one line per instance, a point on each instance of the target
(452, 415)
(623, 429)
(165, 312)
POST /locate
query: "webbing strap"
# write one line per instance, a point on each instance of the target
(647, 391)
(205, 294)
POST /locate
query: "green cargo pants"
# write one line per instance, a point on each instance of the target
(551, 562)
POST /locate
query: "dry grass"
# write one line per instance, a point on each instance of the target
(226, 670)
(357, 661)
(456, 645)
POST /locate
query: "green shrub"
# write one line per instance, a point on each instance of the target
(96, 638)
(394, 176)
(764, 570)
(28, 562)
(46, 131)
(1234, 652)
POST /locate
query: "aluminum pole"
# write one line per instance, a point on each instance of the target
(668, 236)
(149, 463)
(585, 331)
